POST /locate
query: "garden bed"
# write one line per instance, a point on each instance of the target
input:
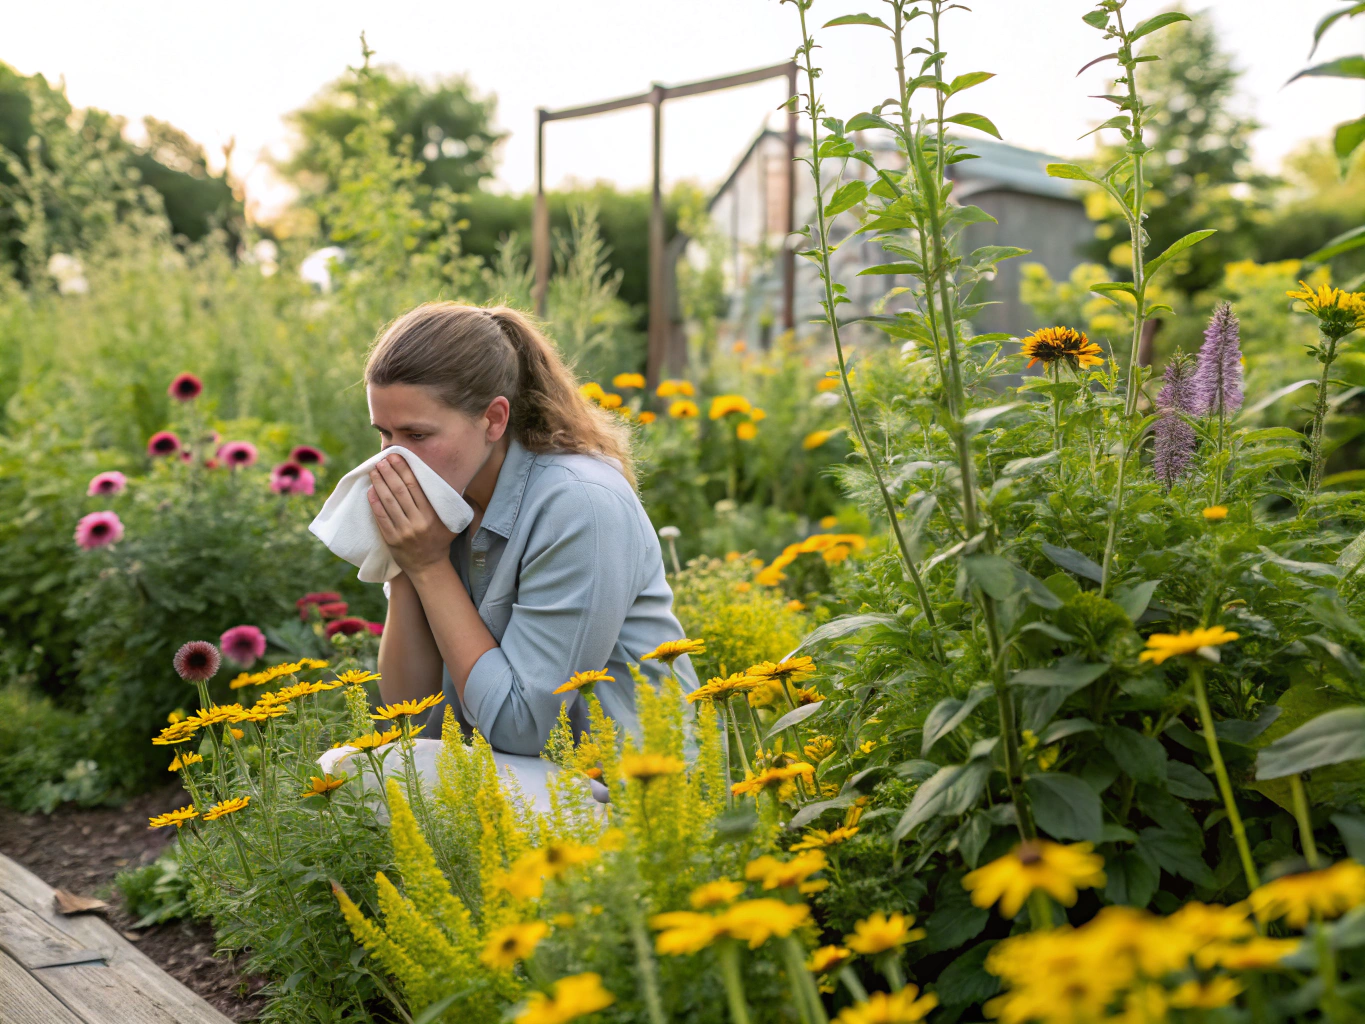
(83, 849)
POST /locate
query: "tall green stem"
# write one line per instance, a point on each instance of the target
(1320, 416)
(728, 956)
(1239, 834)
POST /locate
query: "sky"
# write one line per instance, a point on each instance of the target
(233, 72)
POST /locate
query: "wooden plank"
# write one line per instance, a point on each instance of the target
(24, 1001)
(33, 942)
(123, 958)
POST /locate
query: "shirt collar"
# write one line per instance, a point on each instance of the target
(503, 507)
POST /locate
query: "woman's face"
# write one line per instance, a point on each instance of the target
(454, 445)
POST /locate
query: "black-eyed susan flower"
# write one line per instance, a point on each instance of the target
(1329, 892)
(905, 1006)
(671, 650)
(682, 932)
(389, 712)
(1338, 312)
(372, 740)
(355, 675)
(184, 761)
(511, 943)
(722, 689)
(756, 921)
(683, 409)
(818, 837)
(785, 874)
(1048, 345)
(781, 777)
(646, 418)
(177, 817)
(323, 786)
(1258, 954)
(879, 933)
(628, 380)
(592, 391)
(1161, 646)
(558, 857)
(724, 405)
(674, 388)
(225, 807)
(716, 894)
(648, 767)
(826, 958)
(573, 997)
(1052, 867)
(787, 669)
(585, 681)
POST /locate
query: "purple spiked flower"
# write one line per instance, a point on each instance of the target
(1175, 440)
(1218, 379)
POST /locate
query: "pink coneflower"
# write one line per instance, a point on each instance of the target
(291, 478)
(185, 388)
(238, 454)
(163, 442)
(377, 628)
(243, 644)
(308, 455)
(308, 600)
(333, 609)
(98, 529)
(109, 482)
(347, 625)
(197, 661)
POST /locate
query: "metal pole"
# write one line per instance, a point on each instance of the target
(789, 243)
(658, 304)
(540, 223)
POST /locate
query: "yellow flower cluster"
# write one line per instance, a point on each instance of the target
(755, 921)
(525, 880)
(675, 388)
(389, 712)
(1328, 893)
(574, 997)
(1161, 646)
(832, 547)
(269, 675)
(1035, 864)
(787, 874)
(579, 680)
(1338, 312)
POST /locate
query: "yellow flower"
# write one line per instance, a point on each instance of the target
(177, 817)
(579, 680)
(242, 679)
(314, 663)
(356, 675)
(1049, 344)
(1257, 955)
(826, 958)
(827, 384)
(828, 522)
(835, 554)
(511, 943)
(236, 733)
(819, 748)
(284, 668)
(377, 739)
(262, 712)
(897, 1008)
(215, 713)
(773, 777)
(779, 874)
(716, 894)
(1035, 864)
(818, 837)
(722, 689)
(682, 932)
(756, 921)
(406, 707)
(879, 933)
(1330, 892)
(628, 380)
(574, 997)
(178, 715)
(592, 391)
(767, 694)
(789, 669)
(647, 767)
(646, 418)
(816, 438)
(794, 606)
(867, 746)
(183, 761)
(323, 786)
(673, 388)
(557, 857)
(526, 879)
(723, 405)
(610, 401)
(757, 415)
(683, 409)
(1338, 312)
(1216, 512)
(1161, 646)
(746, 431)
(1209, 995)
(226, 807)
(563, 920)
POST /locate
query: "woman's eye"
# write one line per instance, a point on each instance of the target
(416, 437)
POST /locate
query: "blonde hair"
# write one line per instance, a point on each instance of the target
(469, 355)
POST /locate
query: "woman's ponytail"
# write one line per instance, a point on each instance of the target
(470, 355)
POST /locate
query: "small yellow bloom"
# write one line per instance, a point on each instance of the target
(816, 438)
(819, 748)
(242, 679)
(511, 943)
(324, 786)
(557, 857)
(674, 388)
(757, 415)
(1259, 954)
(406, 707)
(682, 932)
(756, 921)
(225, 807)
(716, 894)
(827, 384)
(178, 715)
(592, 391)
(1035, 864)
(628, 380)
(377, 739)
(794, 606)
(789, 669)
(564, 920)
(183, 761)
(1209, 995)
(721, 689)
(356, 675)
(237, 734)
(648, 767)
(1216, 512)
(826, 958)
(743, 587)
(779, 874)
(177, 817)
(896, 1008)
(574, 996)
(587, 679)
(1161, 646)
(683, 409)
(1330, 892)
(818, 837)
(746, 431)
(867, 746)
(311, 663)
(1338, 312)
(879, 933)
(723, 405)
(1049, 344)
(769, 778)
(646, 418)
(610, 401)
(828, 522)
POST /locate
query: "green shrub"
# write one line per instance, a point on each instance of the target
(156, 892)
(42, 749)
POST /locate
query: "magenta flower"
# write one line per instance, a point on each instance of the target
(1217, 381)
(197, 661)
(98, 529)
(185, 388)
(291, 478)
(308, 455)
(187, 456)
(237, 454)
(243, 644)
(377, 628)
(163, 442)
(347, 625)
(109, 482)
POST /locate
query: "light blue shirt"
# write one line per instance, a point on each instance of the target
(567, 574)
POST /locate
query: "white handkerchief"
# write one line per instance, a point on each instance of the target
(346, 523)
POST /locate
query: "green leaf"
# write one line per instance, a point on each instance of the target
(966, 981)
(1064, 806)
(1344, 242)
(993, 574)
(1269, 434)
(1176, 854)
(913, 269)
(1122, 121)
(970, 215)
(949, 713)
(1188, 782)
(1096, 19)
(846, 196)
(1067, 727)
(1346, 138)
(1276, 395)
(979, 419)
(1142, 758)
(795, 717)
(993, 254)
(952, 790)
(1105, 287)
(1352, 829)
(977, 121)
(834, 629)
(1037, 592)
(968, 80)
(1152, 24)
(1073, 561)
(1132, 879)
(813, 811)
(862, 122)
(1330, 19)
(1134, 599)
(1332, 738)
(1068, 673)
(1342, 67)
(1071, 172)
(1177, 247)
(858, 19)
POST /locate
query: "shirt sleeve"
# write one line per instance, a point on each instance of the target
(579, 578)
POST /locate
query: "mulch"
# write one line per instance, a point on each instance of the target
(82, 849)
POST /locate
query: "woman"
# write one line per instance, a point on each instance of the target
(560, 570)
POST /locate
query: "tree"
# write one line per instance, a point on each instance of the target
(1199, 167)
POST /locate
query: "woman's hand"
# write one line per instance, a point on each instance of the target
(407, 522)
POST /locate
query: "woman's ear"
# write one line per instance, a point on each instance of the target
(499, 415)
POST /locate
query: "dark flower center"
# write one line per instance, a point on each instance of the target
(197, 659)
(165, 444)
(99, 529)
